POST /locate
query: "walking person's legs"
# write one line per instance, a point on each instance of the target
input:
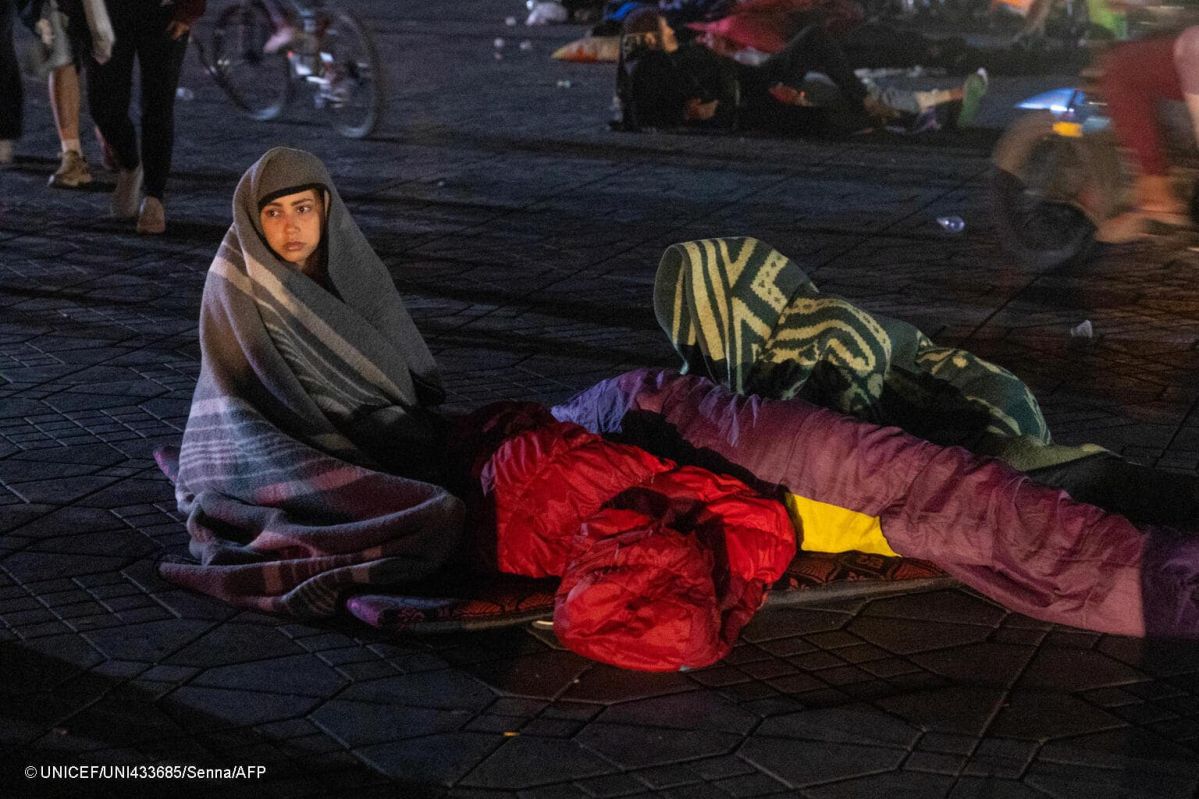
(109, 92)
(65, 98)
(65, 94)
(1186, 64)
(1137, 78)
(160, 61)
(12, 98)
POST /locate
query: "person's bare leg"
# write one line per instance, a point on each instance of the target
(1186, 62)
(1156, 197)
(64, 102)
(1155, 201)
(1137, 76)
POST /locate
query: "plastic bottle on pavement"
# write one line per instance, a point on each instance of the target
(951, 224)
(185, 94)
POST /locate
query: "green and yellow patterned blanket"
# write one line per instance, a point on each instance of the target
(747, 316)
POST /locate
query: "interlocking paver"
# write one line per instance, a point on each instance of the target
(442, 759)
(806, 763)
(357, 724)
(983, 663)
(544, 675)
(433, 689)
(693, 710)
(641, 746)
(900, 786)
(850, 724)
(524, 761)
(965, 710)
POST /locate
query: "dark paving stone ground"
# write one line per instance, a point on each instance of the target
(525, 236)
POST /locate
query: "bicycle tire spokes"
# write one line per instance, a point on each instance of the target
(256, 81)
(349, 86)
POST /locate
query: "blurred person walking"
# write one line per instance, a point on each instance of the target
(1138, 77)
(155, 32)
(12, 98)
(69, 30)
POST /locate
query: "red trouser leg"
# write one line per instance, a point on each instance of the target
(1137, 77)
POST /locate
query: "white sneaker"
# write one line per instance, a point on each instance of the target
(153, 217)
(5, 152)
(128, 193)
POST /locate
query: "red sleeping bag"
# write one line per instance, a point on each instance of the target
(661, 565)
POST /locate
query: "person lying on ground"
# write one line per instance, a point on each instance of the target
(850, 484)
(764, 27)
(766, 15)
(793, 340)
(673, 85)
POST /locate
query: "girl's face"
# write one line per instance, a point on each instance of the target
(293, 225)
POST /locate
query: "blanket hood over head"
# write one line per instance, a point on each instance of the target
(748, 317)
(309, 406)
(354, 270)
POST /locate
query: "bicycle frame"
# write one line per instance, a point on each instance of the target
(261, 48)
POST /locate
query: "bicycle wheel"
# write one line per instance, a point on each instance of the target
(1048, 191)
(352, 91)
(1038, 232)
(259, 83)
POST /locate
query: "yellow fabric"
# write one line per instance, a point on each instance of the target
(822, 527)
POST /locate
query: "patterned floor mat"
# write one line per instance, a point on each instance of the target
(812, 577)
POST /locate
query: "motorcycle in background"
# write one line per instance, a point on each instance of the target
(1058, 173)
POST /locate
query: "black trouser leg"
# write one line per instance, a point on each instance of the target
(161, 60)
(873, 46)
(12, 96)
(814, 49)
(1143, 494)
(109, 90)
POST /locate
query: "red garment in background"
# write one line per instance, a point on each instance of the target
(767, 25)
(1137, 77)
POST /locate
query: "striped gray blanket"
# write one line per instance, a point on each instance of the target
(308, 408)
(747, 316)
